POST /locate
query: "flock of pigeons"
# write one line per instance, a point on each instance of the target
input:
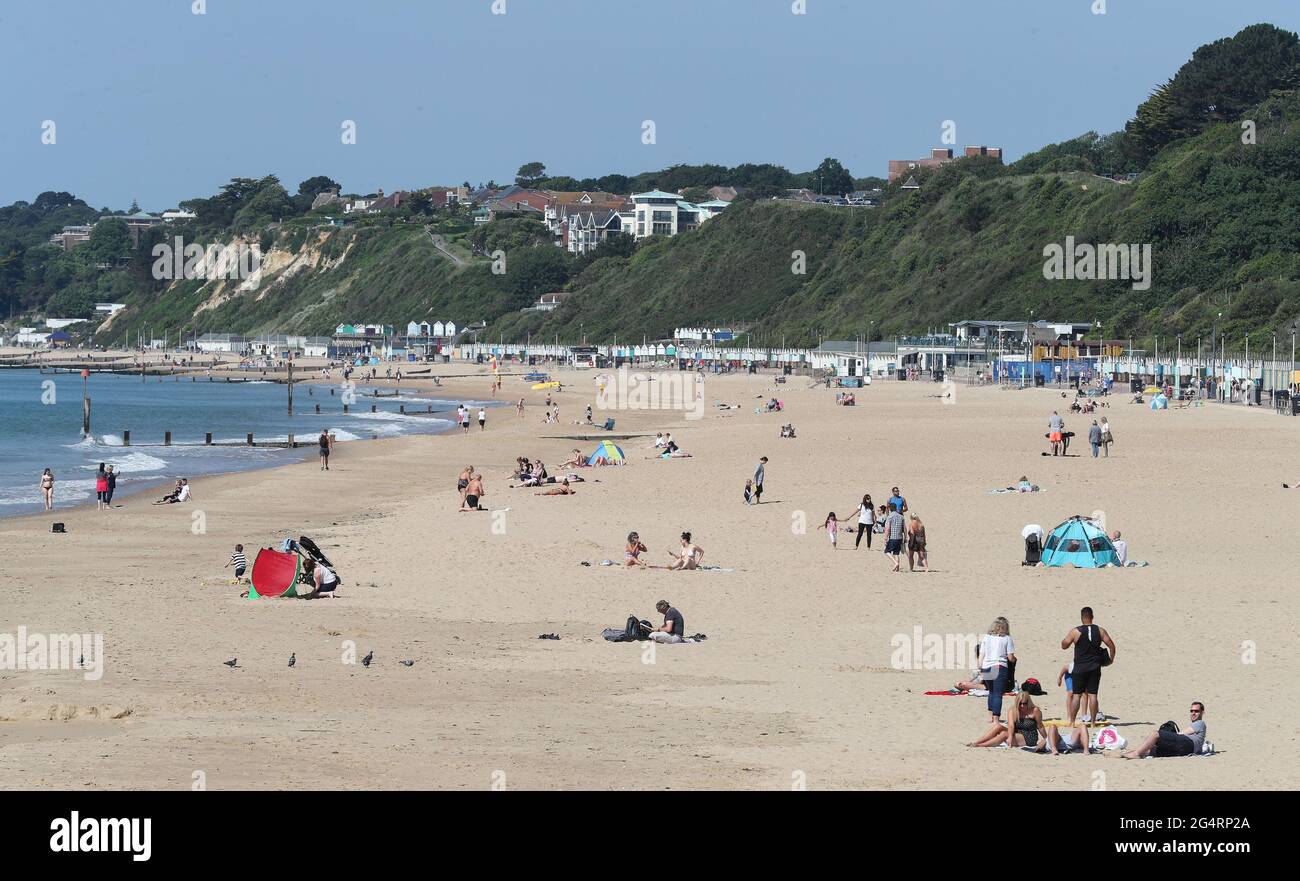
(293, 659)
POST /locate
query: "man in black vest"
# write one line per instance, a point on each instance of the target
(1089, 658)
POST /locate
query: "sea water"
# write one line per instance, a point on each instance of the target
(41, 419)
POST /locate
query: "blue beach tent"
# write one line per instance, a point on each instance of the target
(1079, 542)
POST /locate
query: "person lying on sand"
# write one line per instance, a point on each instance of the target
(1187, 741)
(560, 489)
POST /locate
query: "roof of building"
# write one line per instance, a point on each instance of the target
(656, 194)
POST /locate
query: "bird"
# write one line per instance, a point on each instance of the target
(407, 663)
(231, 662)
(292, 659)
(365, 662)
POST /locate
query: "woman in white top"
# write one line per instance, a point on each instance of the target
(1105, 436)
(866, 521)
(997, 651)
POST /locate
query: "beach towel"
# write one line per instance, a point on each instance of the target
(974, 692)
(1011, 489)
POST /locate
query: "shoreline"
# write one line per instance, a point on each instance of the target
(301, 452)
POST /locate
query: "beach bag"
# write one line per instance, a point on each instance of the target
(1171, 726)
(636, 629)
(1109, 738)
(1105, 656)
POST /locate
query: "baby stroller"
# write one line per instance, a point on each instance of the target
(1033, 536)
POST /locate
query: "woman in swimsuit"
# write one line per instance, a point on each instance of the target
(325, 443)
(634, 550)
(463, 481)
(916, 544)
(47, 488)
(1023, 728)
(690, 556)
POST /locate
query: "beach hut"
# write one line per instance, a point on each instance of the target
(607, 450)
(1079, 542)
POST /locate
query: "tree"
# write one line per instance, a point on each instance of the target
(110, 241)
(314, 186)
(696, 194)
(530, 173)
(831, 177)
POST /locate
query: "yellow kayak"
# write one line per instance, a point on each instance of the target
(542, 386)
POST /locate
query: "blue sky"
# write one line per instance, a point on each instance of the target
(155, 103)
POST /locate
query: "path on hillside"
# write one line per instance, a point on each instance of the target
(441, 248)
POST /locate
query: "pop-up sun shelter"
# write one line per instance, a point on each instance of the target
(607, 450)
(274, 574)
(1079, 542)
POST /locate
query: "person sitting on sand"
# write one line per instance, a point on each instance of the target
(674, 627)
(632, 553)
(473, 492)
(322, 578)
(560, 489)
(576, 460)
(1063, 739)
(1166, 743)
(1024, 727)
(689, 557)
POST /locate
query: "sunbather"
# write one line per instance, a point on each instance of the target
(690, 556)
(560, 489)
(1024, 726)
(632, 553)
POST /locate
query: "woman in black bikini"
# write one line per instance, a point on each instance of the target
(1024, 727)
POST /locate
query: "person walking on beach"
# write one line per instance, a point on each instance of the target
(1105, 436)
(916, 545)
(462, 482)
(520, 408)
(897, 502)
(832, 527)
(47, 488)
(101, 488)
(866, 521)
(462, 415)
(482, 418)
(1094, 438)
(997, 654)
(239, 561)
(1087, 640)
(894, 529)
(759, 473)
(1055, 429)
(112, 486)
(326, 445)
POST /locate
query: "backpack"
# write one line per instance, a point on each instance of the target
(633, 631)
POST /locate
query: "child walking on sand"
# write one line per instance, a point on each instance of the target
(832, 527)
(239, 561)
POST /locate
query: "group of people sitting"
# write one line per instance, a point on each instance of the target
(787, 430)
(180, 493)
(1093, 650)
(667, 448)
(846, 399)
(688, 556)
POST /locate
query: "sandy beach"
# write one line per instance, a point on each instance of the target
(794, 683)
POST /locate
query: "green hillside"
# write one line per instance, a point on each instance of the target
(1207, 173)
